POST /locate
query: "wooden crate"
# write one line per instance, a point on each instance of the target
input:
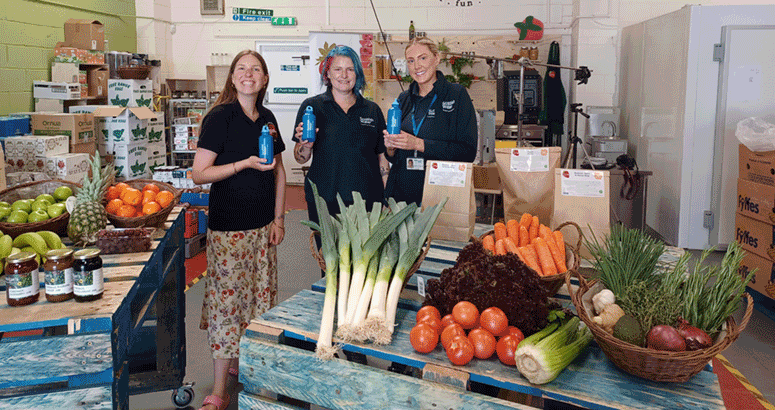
(78, 353)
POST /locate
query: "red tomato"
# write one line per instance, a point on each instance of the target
(428, 310)
(514, 331)
(505, 349)
(483, 342)
(447, 320)
(449, 333)
(494, 320)
(423, 338)
(466, 314)
(432, 321)
(460, 351)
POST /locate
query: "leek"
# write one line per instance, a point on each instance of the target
(344, 261)
(542, 356)
(359, 331)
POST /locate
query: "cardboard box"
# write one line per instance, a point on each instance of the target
(156, 128)
(85, 34)
(757, 167)
(126, 124)
(131, 160)
(85, 148)
(37, 145)
(65, 72)
(79, 127)
(130, 93)
(70, 167)
(157, 156)
(97, 80)
(764, 278)
(756, 201)
(65, 54)
(49, 105)
(58, 91)
(755, 236)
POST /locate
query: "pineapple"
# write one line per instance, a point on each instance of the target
(89, 214)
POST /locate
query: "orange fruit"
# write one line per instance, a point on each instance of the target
(150, 208)
(151, 187)
(132, 196)
(121, 186)
(164, 198)
(113, 193)
(113, 206)
(127, 211)
(148, 196)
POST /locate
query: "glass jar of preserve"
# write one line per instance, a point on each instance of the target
(21, 279)
(88, 282)
(59, 275)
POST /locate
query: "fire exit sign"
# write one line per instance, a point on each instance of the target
(283, 21)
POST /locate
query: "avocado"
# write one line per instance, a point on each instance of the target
(628, 329)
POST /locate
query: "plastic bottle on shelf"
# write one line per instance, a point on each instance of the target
(411, 29)
(308, 124)
(394, 119)
(266, 145)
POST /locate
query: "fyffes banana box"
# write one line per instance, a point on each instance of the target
(131, 160)
(130, 93)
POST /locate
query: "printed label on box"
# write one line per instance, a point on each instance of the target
(590, 184)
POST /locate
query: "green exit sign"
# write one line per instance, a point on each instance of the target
(283, 21)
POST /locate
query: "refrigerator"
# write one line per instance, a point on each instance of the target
(687, 78)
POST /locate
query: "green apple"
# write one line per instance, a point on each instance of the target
(63, 192)
(4, 212)
(21, 205)
(55, 210)
(40, 204)
(4, 204)
(37, 216)
(17, 217)
(50, 198)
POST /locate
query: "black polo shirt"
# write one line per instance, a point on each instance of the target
(245, 200)
(346, 149)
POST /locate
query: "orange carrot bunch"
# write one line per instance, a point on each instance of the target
(542, 249)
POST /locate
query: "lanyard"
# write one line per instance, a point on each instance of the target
(416, 127)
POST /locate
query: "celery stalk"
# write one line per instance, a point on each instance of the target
(542, 356)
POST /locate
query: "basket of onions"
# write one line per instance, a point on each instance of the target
(662, 326)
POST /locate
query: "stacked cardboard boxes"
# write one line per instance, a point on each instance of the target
(127, 139)
(130, 93)
(755, 218)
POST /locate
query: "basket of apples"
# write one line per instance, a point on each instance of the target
(36, 206)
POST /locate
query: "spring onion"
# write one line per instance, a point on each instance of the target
(543, 355)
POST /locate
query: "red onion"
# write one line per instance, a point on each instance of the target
(663, 337)
(695, 338)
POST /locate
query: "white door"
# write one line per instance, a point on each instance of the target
(746, 89)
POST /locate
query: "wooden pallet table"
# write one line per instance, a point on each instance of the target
(277, 361)
(93, 355)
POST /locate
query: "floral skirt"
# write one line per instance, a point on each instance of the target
(240, 285)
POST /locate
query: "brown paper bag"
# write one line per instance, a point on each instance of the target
(530, 191)
(584, 197)
(454, 180)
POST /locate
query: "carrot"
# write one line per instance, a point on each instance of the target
(512, 230)
(533, 228)
(510, 245)
(530, 258)
(500, 247)
(524, 236)
(545, 257)
(560, 243)
(500, 231)
(545, 232)
(489, 243)
(530, 253)
(559, 263)
(526, 220)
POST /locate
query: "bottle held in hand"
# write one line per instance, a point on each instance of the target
(394, 119)
(308, 123)
(266, 145)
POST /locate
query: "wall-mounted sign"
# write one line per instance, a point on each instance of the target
(283, 21)
(290, 90)
(290, 67)
(462, 3)
(247, 14)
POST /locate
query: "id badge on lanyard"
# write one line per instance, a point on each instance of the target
(416, 163)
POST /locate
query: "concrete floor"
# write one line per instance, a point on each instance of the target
(753, 354)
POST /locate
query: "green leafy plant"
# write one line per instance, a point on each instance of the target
(457, 64)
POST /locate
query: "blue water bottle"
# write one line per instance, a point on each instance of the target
(394, 119)
(266, 145)
(308, 123)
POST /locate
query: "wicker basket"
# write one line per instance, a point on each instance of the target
(155, 219)
(656, 365)
(553, 283)
(133, 72)
(31, 190)
(322, 263)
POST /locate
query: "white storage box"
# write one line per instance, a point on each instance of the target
(57, 91)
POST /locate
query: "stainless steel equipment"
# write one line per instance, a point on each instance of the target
(533, 133)
(609, 148)
(485, 148)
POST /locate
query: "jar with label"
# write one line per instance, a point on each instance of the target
(534, 53)
(88, 281)
(58, 270)
(22, 285)
(524, 52)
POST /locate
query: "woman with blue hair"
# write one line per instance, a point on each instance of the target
(348, 153)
